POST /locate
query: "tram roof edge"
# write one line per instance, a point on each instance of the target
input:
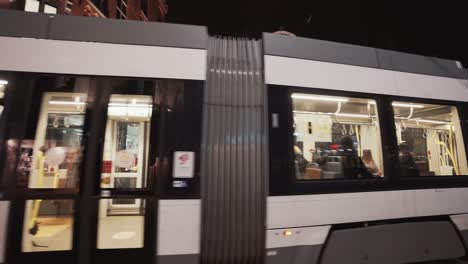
(90, 29)
(334, 52)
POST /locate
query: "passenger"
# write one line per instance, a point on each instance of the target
(73, 168)
(408, 167)
(301, 162)
(353, 166)
(370, 164)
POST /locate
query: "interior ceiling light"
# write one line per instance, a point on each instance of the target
(66, 103)
(3, 82)
(402, 105)
(407, 105)
(431, 121)
(336, 114)
(129, 105)
(352, 115)
(318, 98)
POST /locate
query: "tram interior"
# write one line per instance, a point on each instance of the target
(339, 138)
(431, 136)
(53, 159)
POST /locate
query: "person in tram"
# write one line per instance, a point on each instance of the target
(73, 168)
(301, 161)
(370, 164)
(407, 167)
(352, 166)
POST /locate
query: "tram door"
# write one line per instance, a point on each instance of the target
(128, 140)
(88, 160)
(126, 227)
(81, 159)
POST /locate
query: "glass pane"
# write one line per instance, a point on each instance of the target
(48, 225)
(126, 141)
(53, 158)
(3, 84)
(430, 140)
(336, 138)
(121, 223)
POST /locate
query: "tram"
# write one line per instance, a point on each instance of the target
(156, 143)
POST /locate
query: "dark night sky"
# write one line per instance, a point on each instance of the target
(437, 29)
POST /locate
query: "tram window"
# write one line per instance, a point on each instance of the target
(53, 158)
(336, 138)
(121, 223)
(48, 225)
(430, 140)
(3, 84)
(126, 142)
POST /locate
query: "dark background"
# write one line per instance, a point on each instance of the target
(438, 29)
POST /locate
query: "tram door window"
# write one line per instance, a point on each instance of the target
(48, 225)
(48, 163)
(430, 140)
(126, 142)
(3, 84)
(336, 137)
(53, 158)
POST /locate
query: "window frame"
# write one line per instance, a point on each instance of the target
(289, 185)
(441, 181)
(22, 91)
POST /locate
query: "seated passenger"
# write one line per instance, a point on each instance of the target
(354, 168)
(350, 164)
(370, 164)
(301, 162)
(407, 167)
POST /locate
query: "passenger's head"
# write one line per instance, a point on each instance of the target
(347, 143)
(404, 147)
(367, 155)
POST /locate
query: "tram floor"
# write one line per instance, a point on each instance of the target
(120, 232)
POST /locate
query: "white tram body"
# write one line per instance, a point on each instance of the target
(299, 222)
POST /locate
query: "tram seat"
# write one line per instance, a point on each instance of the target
(332, 170)
(313, 174)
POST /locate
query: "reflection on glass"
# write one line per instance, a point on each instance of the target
(120, 227)
(3, 84)
(336, 138)
(126, 143)
(48, 225)
(53, 159)
(430, 140)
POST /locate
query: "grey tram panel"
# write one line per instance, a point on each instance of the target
(333, 52)
(89, 29)
(320, 50)
(23, 24)
(294, 255)
(127, 32)
(397, 243)
(231, 144)
(177, 259)
(464, 234)
(404, 62)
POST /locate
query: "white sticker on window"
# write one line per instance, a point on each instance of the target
(183, 164)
